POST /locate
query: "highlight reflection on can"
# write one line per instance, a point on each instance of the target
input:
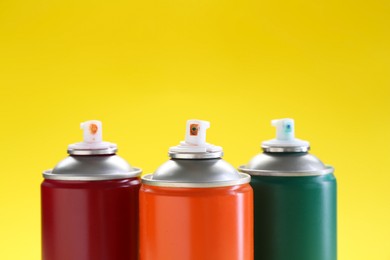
(295, 198)
(90, 203)
(196, 205)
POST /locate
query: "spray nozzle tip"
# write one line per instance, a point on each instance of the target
(195, 139)
(92, 140)
(284, 128)
(92, 131)
(285, 135)
(196, 132)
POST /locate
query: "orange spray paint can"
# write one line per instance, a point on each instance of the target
(196, 206)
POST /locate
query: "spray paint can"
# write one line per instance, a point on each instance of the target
(295, 200)
(90, 203)
(196, 205)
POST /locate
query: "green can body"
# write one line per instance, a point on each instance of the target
(295, 217)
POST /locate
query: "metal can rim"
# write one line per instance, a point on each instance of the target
(329, 169)
(105, 151)
(244, 178)
(206, 155)
(285, 149)
(100, 177)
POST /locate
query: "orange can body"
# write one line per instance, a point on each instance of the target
(179, 223)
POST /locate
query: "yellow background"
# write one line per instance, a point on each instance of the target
(145, 67)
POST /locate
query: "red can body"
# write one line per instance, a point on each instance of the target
(90, 220)
(196, 223)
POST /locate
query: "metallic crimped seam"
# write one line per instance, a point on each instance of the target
(327, 170)
(99, 177)
(147, 179)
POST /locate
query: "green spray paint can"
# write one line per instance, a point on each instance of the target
(295, 200)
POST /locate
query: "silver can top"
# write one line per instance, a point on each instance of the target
(285, 164)
(92, 159)
(202, 173)
(285, 156)
(92, 168)
(196, 163)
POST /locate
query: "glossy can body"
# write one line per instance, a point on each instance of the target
(295, 217)
(90, 220)
(179, 223)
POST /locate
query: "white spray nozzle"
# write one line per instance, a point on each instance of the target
(285, 135)
(92, 137)
(196, 132)
(92, 131)
(284, 129)
(195, 139)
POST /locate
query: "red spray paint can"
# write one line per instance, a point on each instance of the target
(196, 206)
(90, 203)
